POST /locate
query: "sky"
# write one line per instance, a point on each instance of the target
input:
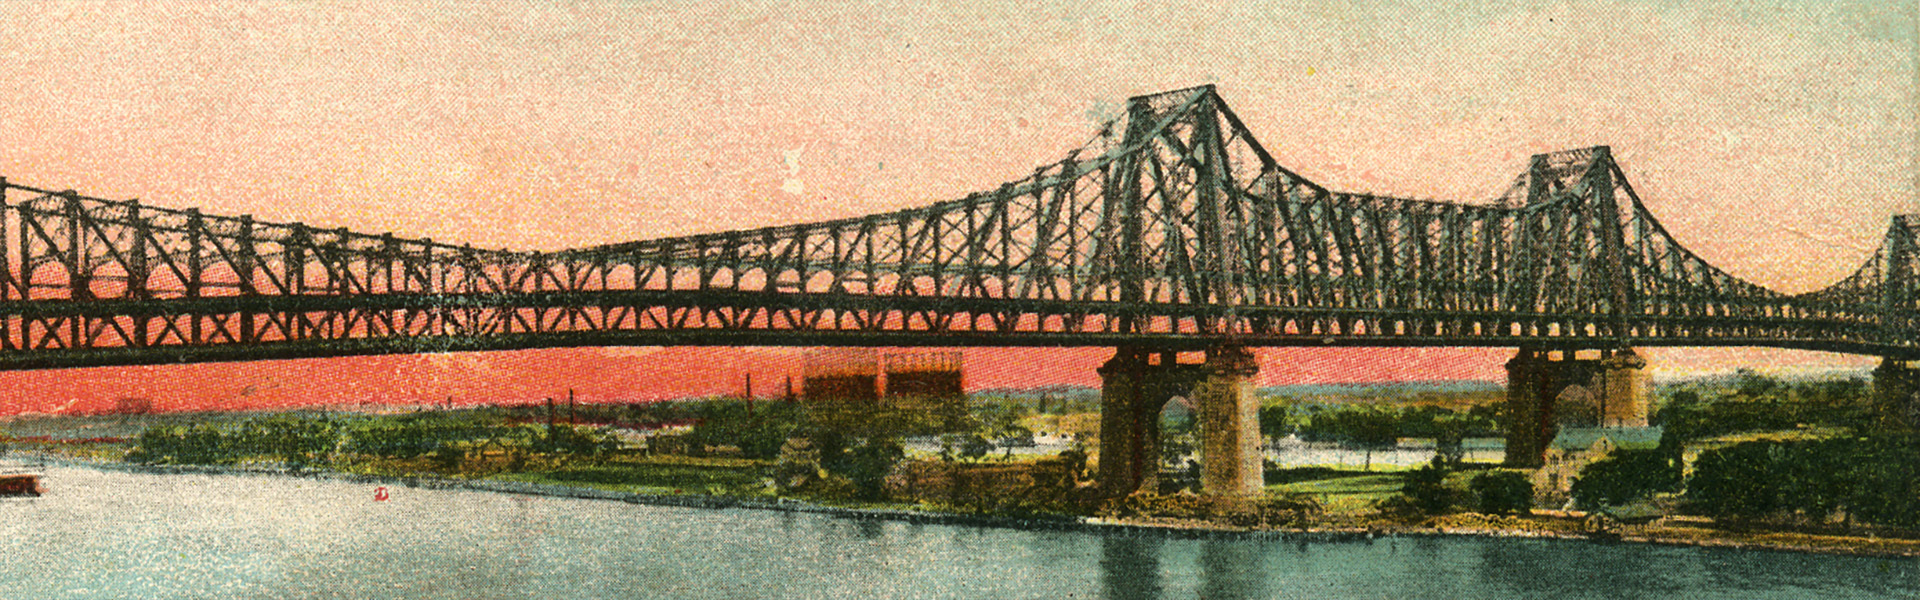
(1774, 139)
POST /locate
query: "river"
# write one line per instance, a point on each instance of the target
(113, 534)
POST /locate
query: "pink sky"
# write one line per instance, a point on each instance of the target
(1774, 139)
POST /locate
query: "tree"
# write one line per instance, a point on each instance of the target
(1735, 481)
(1870, 478)
(1449, 438)
(1276, 419)
(1368, 427)
(1626, 476)
(867, 465)
(759, 431)
(1886, 480)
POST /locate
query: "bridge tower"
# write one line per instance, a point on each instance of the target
(1136, 383)
(1547, 389)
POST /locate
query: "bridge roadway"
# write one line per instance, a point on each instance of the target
(1173, 230)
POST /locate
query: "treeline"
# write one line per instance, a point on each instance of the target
(301, 442)
(1377, 424)
(1749, 401)
(853, 444)
(1875, 479)
(1852, 479)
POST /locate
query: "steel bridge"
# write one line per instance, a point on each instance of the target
(1172, 229)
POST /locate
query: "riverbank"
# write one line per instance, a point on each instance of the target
(1674, 531)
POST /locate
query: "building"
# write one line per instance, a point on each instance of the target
(1576, 447)
(865, 375)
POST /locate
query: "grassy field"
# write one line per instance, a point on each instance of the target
(1342, 491)
(659, 475)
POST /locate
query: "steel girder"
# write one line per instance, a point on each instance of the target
(1173, 227)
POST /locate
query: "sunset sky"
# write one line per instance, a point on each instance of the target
(1774, 139)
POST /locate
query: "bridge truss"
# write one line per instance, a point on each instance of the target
(1173, 228)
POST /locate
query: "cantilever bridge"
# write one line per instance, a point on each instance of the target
(1172, 230)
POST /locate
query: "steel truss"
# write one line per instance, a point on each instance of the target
(1174, 228)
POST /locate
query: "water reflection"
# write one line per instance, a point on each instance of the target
(870, 529)
(1130, 567)
(1557, 569)
(1823, 574)
(1233, 569)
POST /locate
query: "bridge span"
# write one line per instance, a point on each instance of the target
(1173, 230)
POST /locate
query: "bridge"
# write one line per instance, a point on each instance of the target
(1173, 230)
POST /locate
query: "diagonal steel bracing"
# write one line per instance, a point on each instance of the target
(1172, 228)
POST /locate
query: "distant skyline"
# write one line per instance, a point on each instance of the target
(1775, 139)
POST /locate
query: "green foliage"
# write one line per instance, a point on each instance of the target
(576, 441)
(1885, 476)
(758, 429)
(1737, 481)
(1277, 420)
(1501, 492)
(1000, 424)
(1626, 476)
(443, 436)
(301, 442)
(197, 444)
(1377, 425)
(1753, 402)
(1874, 479)
(297, 442)
(866, 464)
(1427, 488)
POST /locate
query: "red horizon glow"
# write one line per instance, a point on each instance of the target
(611, 375)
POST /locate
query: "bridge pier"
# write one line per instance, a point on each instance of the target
(1546, 389)
(1896, 395)
(1137, 383)
(1229, 411)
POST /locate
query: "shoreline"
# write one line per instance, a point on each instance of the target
(1178, 529)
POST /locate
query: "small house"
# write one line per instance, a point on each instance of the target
(1576, 447)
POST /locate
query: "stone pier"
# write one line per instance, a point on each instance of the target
(1896, 395)
(1546, 389)
(1230, 456)
(1136, 383)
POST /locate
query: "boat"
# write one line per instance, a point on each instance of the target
(19, 484)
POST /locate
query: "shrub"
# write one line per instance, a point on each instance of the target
(1426, 488)
(1501, 492)
(191, 445)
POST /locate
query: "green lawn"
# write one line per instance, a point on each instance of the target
(1346, 491)
(658, 475)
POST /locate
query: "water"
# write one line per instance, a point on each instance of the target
(127, 535)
